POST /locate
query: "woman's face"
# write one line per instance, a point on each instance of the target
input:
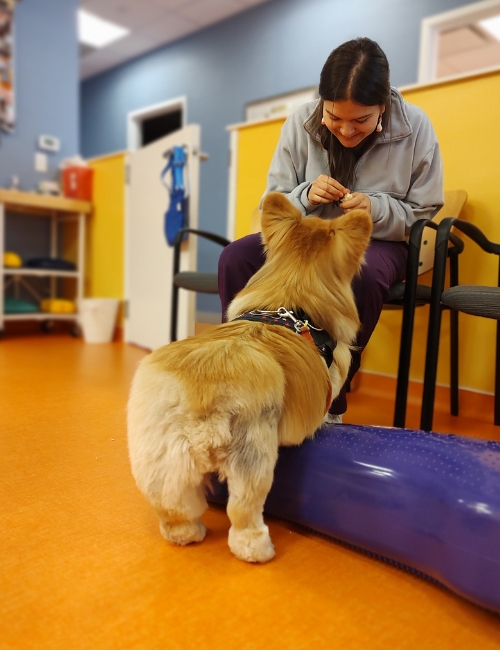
(349, 122)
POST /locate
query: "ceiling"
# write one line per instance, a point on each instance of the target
(153, 23)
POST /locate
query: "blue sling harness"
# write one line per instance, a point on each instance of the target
(175, 216)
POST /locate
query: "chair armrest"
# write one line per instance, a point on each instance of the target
(218, 239)
(416, 232)
(469, 229)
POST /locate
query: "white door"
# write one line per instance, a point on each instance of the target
(148, 258)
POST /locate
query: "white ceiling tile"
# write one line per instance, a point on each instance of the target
(100, 7)
(169, 29)
(99, 61)
(250, 3)
(129, 47)
(206, 12)
(172, 4)
(127, 13)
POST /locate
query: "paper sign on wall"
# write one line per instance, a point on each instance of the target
(7, 112)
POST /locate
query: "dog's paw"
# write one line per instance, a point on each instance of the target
(184, 533)
(251, 545)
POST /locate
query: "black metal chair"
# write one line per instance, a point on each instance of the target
(198, 281)
(411, 294)
(471, 299)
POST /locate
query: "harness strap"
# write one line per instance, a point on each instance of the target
(301, 324)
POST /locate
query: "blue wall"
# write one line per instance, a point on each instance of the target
(46, 89)
(273, 48)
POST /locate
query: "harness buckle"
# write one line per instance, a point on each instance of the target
(298, 325)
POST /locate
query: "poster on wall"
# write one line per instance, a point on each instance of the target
(7, 111)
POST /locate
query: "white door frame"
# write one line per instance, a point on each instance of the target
(136, 118)
(432, 27)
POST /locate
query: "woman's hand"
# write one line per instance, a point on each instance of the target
(356, 201)
(325, 190)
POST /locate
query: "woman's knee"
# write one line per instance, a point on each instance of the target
(385, 264)
(247, 251)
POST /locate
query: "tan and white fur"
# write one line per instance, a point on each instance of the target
(225, 400)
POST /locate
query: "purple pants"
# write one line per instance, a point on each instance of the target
(385, 265)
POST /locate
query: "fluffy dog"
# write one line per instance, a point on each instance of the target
(225, 400)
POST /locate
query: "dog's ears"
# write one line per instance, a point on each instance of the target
(353, 229)
(356, 222)
(278, 214)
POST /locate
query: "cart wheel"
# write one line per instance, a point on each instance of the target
(75, 331)
(47, 325)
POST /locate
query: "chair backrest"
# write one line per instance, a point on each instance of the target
(454, 201)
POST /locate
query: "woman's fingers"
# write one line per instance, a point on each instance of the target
(356, 201)
(325, 190)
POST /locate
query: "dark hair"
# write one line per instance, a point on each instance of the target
(357, 70)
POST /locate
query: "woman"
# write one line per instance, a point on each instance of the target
(361, 145)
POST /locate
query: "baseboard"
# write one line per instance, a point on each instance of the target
(33, 327)
(472, 404)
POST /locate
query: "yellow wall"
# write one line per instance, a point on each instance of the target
(105, 242)
(256, 144)
(465, 116)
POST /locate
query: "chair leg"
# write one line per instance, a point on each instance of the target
(430, 373)
(407, 324)
(173, 313)
(453, 362)
(403, 373)
(175, 289)
(497, 378)
(433, 333)
(453, 337)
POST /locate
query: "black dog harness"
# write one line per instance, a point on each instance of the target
(299, 323)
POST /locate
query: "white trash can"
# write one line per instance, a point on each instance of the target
(98, 319)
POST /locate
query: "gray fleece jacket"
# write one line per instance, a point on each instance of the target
(401, 172)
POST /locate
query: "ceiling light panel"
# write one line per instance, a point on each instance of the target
(96, 31)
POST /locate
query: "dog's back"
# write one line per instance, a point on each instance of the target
(245, 367)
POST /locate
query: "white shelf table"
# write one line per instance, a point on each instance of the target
(59, 210)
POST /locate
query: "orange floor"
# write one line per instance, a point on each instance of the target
(82, 563)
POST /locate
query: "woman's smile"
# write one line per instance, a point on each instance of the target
(349, 122)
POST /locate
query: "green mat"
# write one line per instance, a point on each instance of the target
(18, 306)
